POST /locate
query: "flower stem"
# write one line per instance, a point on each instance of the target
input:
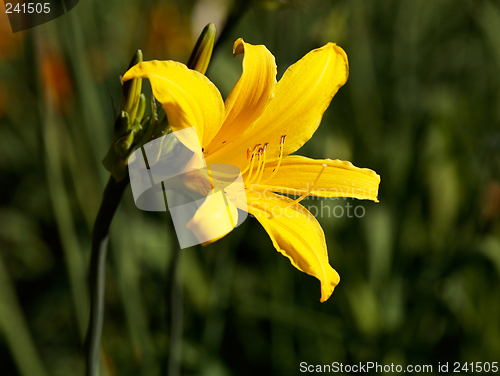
(110, 201)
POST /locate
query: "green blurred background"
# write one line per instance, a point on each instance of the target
(420, 271)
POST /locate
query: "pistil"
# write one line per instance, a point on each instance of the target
(308, 188)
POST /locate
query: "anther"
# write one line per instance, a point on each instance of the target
(282, 142)
(250, 155)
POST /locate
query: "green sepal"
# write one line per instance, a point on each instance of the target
(116, 166)
(122, 125)
(116, 160)
(122, 146)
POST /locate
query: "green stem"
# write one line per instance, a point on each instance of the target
(110, 201)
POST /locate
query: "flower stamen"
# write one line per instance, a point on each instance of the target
(251, 162)
(282, 142)
(259, 166)
(249, 156)
(263, 164)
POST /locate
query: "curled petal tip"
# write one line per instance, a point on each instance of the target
(329, 285)
(238, 47)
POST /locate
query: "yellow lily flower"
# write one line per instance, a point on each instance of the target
(257, 128)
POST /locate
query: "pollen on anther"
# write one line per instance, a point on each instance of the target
(280, 158)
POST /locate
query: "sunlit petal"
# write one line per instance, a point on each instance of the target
(187, 96)
(296, 234)
(300, 99)
(214, 219)
(298, 175)
(251, 94)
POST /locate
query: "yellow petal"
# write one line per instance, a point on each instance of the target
(187, 96)
(249, 97)
(300, 99)
(299, 175)
(214, 219)
(296, 234)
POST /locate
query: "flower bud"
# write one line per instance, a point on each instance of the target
(131, 90)
(202, 52)
(141, 107)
